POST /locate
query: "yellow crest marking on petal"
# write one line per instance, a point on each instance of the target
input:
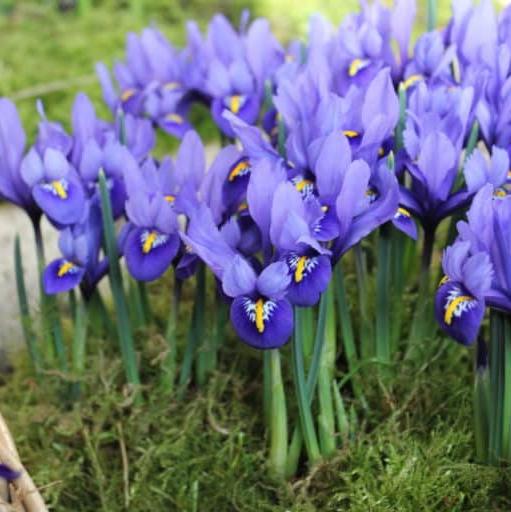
(59, 189)
(235, 103)
(300, 268)
(149, 242)
(403, 211)
(500, 192)
(259, 320)
(351, 134)
(127, 94)
(355, 66)
(300, 185)
(449, 312)
(444, 280)
(238, 169)
(64, 268)
(171, 86)
(243, 206)
(174, 118)
(381, 152)
(170, 198)
(412, 80)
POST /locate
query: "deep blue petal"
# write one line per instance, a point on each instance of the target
(149, 253)
(7, 473)
(310, 276)
(61, 276)
(458, 313)
(63, 201)
(405, 223)
(248, 112)
(175, 125)
(262, 323)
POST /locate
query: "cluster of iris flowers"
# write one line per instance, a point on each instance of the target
(338, 154)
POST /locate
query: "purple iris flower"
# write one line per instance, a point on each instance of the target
(477, 267)
(293, 227)
(135, 133)
(80, 263)
(260, 312)
(367, 117)
(436, 129)
(493, 107)
(150, 241)
(51, 134)
(240, 65)
(55, 186)
(460, 300)
(431, 61)
(474, 30)
(12, 146)
(364, 43)
(153, 81)
(115, 161)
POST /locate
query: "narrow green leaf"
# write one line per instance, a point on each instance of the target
(116, 283)
(383, 351)
(26, 320)
(196, 330)
(278, 419)
(306, 420)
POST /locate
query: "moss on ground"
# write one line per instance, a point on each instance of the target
(411, 451)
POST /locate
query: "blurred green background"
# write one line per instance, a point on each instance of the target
(48, 48)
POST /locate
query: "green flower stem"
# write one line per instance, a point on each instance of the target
(49, 306)
(278, 418)
(78, 347)
(398, 281)
(196, 330)
(423, 317)
(146, 305)
(136, 311)
(481, 404)
(500, 389)
(26, 320)
(497, 383)
(383, 284)
(203, 353)
(168, 376)
(306, 419)
(366, 342)
(346, 325)
(129, 357)
(267, 386)
(326, 418)
(343, 311)
(506, 406)
(207, 355)
(295, 448)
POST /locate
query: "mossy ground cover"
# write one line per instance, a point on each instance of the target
(411, 450)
